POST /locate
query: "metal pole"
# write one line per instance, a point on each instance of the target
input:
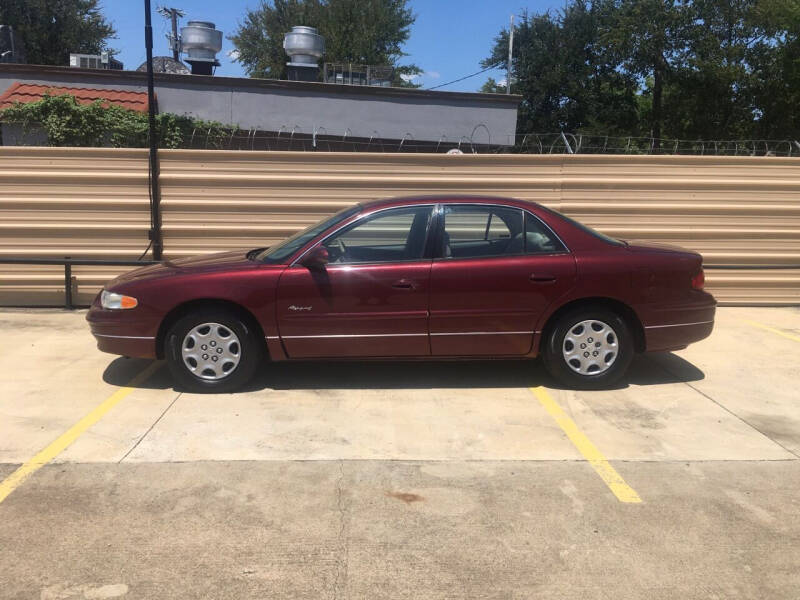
(510, 55)
(173, 13)
(68, 285)
(155, 193)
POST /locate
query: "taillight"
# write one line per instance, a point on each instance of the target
(699, 280)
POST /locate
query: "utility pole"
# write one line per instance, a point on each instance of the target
(510, 54)
(155, 193)
(174, 41)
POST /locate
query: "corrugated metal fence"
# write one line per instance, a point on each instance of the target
(93, 203)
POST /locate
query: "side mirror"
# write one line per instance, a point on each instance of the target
(317, 258)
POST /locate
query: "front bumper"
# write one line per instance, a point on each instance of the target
(125, 332)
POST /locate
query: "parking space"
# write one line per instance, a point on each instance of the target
(477, 479)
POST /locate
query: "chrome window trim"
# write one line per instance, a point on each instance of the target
(361, 218)
(550, 229)
(437, 206)
(340, 266)
(524, 210)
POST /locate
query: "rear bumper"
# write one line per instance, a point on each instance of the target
(675, 327)
(676, 337)
(123, 332)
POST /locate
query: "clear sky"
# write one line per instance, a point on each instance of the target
(448, 40)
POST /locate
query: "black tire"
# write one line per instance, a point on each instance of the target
(250, 351)
(556, 363)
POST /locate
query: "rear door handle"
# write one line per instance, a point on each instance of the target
(404, 284)
(542, 278)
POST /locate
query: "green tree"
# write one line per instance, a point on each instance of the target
(649, 40)
(492, 87)
(259, 39)
(368, 32)
(709, 94)
(775, 64)
(667, 69)
(51, 29)
(566, 81)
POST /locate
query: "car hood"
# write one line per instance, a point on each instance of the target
(645, 246)
(234, 259)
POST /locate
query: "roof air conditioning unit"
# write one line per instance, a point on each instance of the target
(94, 61)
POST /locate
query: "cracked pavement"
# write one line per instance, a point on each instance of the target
(405, 480)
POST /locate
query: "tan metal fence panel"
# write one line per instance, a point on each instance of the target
(93, 203)
(78, 202)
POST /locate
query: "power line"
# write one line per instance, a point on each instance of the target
(462, 78)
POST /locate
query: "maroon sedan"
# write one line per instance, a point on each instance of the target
(423, 277)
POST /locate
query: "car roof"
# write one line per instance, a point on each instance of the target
(446, 199)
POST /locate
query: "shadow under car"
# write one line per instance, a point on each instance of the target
(646, 369)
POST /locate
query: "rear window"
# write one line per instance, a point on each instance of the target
(585, 228)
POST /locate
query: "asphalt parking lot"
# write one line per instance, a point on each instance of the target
(401, 480)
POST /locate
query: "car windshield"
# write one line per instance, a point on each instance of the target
(585, 228)
(280, 252)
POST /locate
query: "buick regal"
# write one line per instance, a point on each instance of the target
(413, 278)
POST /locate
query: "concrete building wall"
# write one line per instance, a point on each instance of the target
(389, 113)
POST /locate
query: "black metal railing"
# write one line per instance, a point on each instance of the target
(68, 262)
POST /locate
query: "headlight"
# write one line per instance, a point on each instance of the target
(117, 301)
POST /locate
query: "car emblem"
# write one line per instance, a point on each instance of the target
(293, 307)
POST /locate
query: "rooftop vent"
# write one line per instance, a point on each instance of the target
(201, 41)
(305, 47)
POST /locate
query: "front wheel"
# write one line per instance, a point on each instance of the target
(212, 351)
(588, 348)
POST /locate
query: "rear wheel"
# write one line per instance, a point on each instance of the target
(588, 348)
(213, 351)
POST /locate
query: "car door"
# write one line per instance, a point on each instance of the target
(497, 270)
(371, 299)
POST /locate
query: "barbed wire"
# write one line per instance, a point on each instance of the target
(480, 141)
(522, 143)
(581, 143)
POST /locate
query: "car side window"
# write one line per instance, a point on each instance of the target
(539, 239)
(387, 236)
(474, 231)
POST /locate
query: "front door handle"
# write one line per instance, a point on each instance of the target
(542, 278)
(404, 284)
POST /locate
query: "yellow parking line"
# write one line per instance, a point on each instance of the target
(608, 474)
(773, 330)
(58, 445)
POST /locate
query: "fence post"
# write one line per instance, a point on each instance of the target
(68, 284)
